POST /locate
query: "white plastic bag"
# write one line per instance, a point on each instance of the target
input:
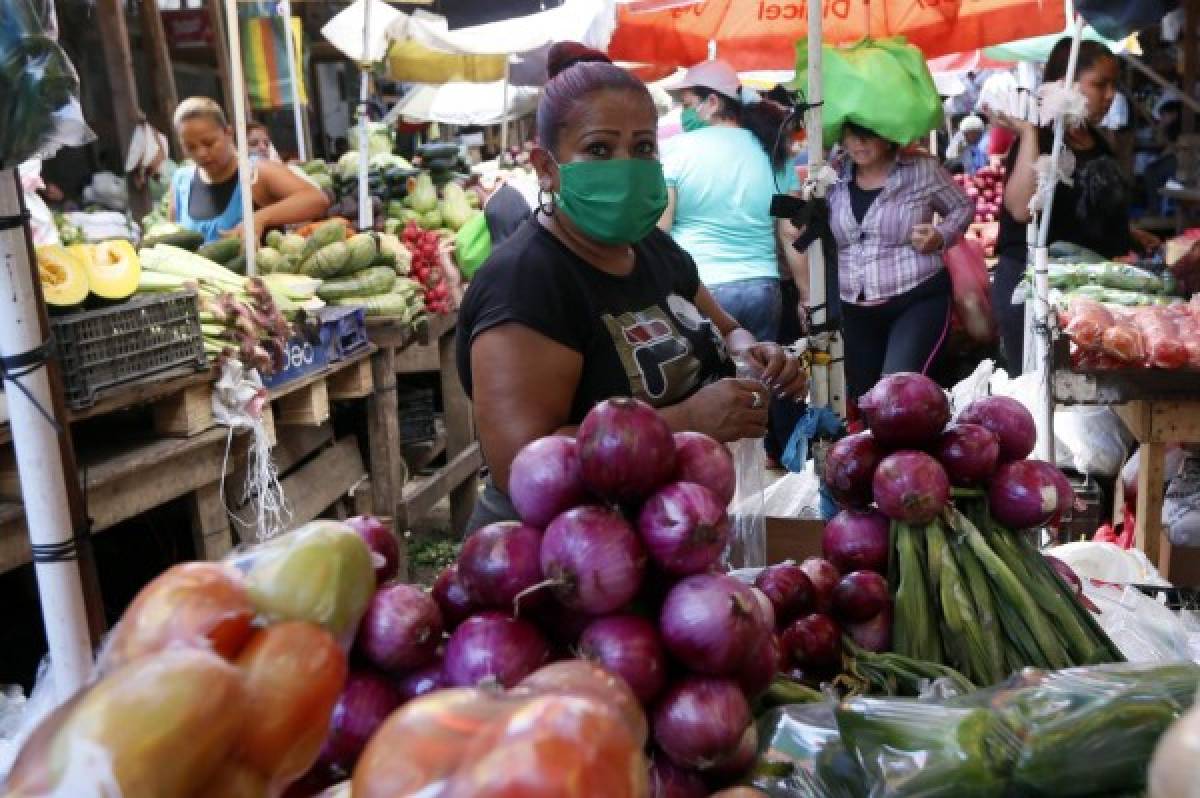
(1108, 562)
(794, 495)
(1142, 628)
(748, 545)
(1092, 440)
(1181, 504)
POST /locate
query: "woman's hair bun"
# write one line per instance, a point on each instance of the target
(564, 55)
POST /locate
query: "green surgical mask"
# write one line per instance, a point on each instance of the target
(613, 202)
(691, 120)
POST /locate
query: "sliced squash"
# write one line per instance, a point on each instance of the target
(63, 276)
(112, 268)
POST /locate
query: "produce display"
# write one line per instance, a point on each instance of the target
(107, 271)
(219, 680)
(969, 590)
(1106, 336)
(986, 189)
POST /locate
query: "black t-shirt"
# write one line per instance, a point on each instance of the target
(505, 212)
(1092, 212)
(640, 335)
(861, 199)
(209, 200)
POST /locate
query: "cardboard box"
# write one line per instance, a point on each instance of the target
(793, 538)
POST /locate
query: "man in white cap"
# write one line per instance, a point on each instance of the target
(967, 145)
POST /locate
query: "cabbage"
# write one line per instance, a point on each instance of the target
(385, 161)
(422, 196)
(454, 206)
(379, 139)
(347, 166)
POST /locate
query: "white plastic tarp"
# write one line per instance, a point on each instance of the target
(465, 103)
(345, 30)
(590, 22)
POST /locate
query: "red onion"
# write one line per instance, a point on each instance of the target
(860, 596)
(1009, 419)
(849, 466)
(561, 625)
(684, 527)
(401, 629)
(857, 540)
(380, 539)
(789, 589)
(366, 701)
(705, 461)
(1072, 580)
(700, 721)
(759, 669)
(422, 681)
(874, 634)
(594, 559)
(764, 610)
(824, 577)
(737, 762)
(544, 480)
(452, 598)
(911, 487)
(629, 646)
(905, 411)
(626, 450)
(668, 780)
(491, 646)
(710, 622)
(498, 562)
(814, 641)
(1022, 494)
(1066, 494)
(969, 453)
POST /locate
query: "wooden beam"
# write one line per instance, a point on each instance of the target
(317, 485)
(421, 495)
(118, 63)
(1191, 19)
(460, 432)
(216, 15)
(166, 96)
(211, 534)
(388, 472)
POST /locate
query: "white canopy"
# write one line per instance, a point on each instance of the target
(589, 22)
(465, 103)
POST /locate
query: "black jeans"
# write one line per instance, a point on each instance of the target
(1009, 317)
(906, 333)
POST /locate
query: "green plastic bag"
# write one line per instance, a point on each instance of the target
(472, 245)
(882, 84)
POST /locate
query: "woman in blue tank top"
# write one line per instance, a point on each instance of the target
(206, 194)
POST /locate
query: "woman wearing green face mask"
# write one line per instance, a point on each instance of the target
(589, 300)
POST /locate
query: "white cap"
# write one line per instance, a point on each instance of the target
(717, 76)
(970, 123)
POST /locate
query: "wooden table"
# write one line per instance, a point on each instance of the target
(1155, 424)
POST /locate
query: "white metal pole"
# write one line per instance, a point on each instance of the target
(1041, 259)
(818, 290)
(365, 221)
(297, 112)
(245, 175)
(39, 460)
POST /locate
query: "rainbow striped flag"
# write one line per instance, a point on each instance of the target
(264, 57)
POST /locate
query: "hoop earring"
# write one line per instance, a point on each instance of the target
(546, 201)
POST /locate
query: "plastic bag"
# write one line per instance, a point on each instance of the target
(1165, 348)
(882, 84)
(1086, 322)
(748, 544)
(1181, 504)
(472, 245)
(794, 495)
(1092, 440)
(39, 90)
(1108, 562)
(801, 755)
(1142, 628)
(971, 287)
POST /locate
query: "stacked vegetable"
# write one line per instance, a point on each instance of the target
(969, 590)
(421, 204)
(986, 189)
(427, 267)
(219, 680)
(1105, 336)
(387, 181)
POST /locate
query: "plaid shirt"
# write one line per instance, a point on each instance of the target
(876, 259)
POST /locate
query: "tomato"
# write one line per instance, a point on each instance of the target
(580, 677)
(423, 742)
(160, 725)
(293, 673)
(555, 746)
(201, 604)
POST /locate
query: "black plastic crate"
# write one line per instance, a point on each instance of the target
(143, 336)
(418, 416)
(1092, 506)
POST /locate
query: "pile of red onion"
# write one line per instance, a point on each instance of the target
(910, 459)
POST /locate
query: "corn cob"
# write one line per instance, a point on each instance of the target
(913, 634)
(964, 640)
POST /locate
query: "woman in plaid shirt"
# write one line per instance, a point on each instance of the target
(895, 291)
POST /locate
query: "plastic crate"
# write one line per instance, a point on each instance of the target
(1091, 505)
(417, 415)
(145, 335)
(343, 331)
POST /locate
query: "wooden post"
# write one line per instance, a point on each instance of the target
(221, 51)
(460, 431)
(1192, 18)
(118, 63)
(387, 468)
(166, 96)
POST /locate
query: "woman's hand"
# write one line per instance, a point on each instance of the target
(926, 239)
(777, 369)
(1007, 121)
(727, 410)
(1146, 240)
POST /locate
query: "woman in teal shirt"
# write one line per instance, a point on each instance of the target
(721, 174)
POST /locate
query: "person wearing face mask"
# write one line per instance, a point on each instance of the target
(894, 288)
(721, 175)
(1093, 211)
(258, 143)
(589, 300)
(205, 195)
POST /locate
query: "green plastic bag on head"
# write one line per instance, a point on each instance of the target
(472, 245)
(881, 84)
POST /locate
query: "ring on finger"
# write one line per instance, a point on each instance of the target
(756, 400)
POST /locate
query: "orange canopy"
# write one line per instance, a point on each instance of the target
(762, 34)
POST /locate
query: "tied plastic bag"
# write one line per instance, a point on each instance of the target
(748, 543)
(39, 89)
(1181, 504)
(1091, 440)
(971, 287)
